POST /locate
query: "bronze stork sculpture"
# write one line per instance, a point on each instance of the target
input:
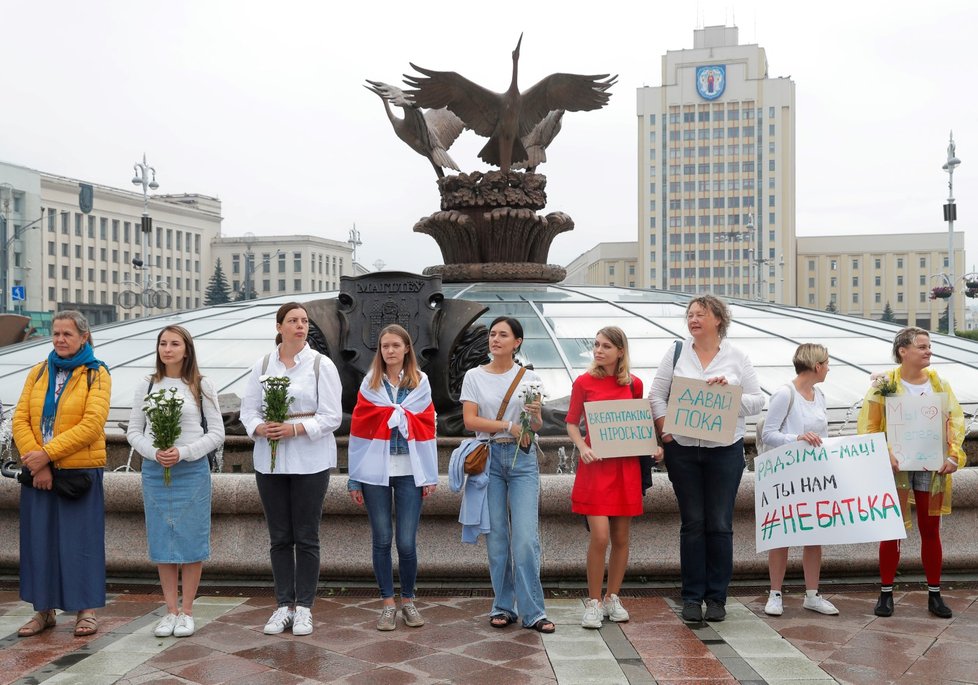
(430, 133)
(539, 140)
(505, 118)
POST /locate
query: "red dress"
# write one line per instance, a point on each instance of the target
(607, 487)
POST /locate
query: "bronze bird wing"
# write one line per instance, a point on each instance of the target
(571, 92)
(476, 106)
(443, 128)
(412, 129)
(539, 139)
(392, 94)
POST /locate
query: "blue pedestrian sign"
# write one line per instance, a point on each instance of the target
(18, 293)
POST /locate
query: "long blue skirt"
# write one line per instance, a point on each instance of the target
(62, 548)
(178, 515)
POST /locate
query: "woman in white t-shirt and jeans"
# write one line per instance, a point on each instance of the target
(797, 412)
(513, 494)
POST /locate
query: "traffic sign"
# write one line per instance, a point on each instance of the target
(18, 293)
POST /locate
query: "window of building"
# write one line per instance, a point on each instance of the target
(876, 262)
(900, 298)
(689, 117)
(923, 297)
(266, 285)
(297, 285)
(770, 129)
(855, 298)
(923, 280)
(811, 282)
(611, 269)
(281, 285)
(811, 299)
(78, 251)
(235, 264)
(65, 273)
(833, 264)
(652, 119)
(923, 262)
(877, 281)
(945, 262)
(899, 262)
(833, 282)
(770, 217)
(899, 280)
(125, 231)
(266, 263)
(855, 281)
(811, 264)
(876, 298)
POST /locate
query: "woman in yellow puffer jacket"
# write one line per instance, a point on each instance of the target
(59, 429)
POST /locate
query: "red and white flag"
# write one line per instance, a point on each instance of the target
(370, 434)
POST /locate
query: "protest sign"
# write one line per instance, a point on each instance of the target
(915, 430)
(840, 492)
(706, 412)
(620, 428)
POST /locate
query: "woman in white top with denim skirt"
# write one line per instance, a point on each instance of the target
(797, 412)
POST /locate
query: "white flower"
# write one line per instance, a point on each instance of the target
(262, 379)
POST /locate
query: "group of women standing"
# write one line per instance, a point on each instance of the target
(59, 430)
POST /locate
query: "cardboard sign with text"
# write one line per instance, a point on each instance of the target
(620, 428)
(705, 412)
(838, 493)
(915, 430)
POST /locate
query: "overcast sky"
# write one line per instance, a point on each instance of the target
(261, 104)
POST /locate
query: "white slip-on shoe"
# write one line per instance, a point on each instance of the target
(185, 626)
(165, 627)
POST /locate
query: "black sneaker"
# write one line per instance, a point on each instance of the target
(884, 606)
(936, 606)
(715, 611)
(692, 612)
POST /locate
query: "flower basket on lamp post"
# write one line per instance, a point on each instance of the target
(941, 292)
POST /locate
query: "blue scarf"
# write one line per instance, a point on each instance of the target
(83, 357)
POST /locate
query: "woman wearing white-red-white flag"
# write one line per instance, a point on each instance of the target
(393, 463)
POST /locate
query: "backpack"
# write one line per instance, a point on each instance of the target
(759, 434)
(90, 375)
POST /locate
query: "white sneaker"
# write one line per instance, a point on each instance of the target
(592, 614)
(613, 609)
(818, 603)
(280, 620)
(185, 626)
(774, 606)
(303, 621)
(165, 627)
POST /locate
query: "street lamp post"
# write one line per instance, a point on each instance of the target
(950, 214)
(144, 175)
(355, 242)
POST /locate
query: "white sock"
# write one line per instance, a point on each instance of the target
(811, 593)
(775, 593)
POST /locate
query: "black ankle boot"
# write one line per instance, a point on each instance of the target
(936, 606)
(884, 607)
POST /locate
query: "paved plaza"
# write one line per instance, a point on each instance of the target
(457, 645)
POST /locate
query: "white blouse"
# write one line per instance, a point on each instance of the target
(193, 443)
(783, 426)
(315, 450)
(730, 362)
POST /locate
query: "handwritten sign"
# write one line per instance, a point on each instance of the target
(915, 430)
(706, 412)
(841, 492)
(620, 428)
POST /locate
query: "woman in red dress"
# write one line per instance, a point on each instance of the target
(607, 491)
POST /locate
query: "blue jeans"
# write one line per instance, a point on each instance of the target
(513, 542)
(705, 480)
(405, 497)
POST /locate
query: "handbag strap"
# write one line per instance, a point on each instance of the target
(509, 393)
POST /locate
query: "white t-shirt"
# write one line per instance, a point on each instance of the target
(488, 390)
(918, 389)
(805, 416)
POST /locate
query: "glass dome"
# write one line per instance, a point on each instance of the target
(559, 324)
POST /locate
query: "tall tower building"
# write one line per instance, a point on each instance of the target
(716, 172)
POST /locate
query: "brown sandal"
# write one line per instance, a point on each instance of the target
(39, 622)
(86, 624)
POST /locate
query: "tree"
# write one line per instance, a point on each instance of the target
(218, 291)
(942, 322)
(832, 309)
(887, 313)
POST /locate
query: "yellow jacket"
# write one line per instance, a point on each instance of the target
(872, 419)
(79, 425)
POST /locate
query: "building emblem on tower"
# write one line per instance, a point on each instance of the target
(711, 80)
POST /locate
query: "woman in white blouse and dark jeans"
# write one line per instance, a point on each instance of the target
(292, 496)
(705, 475)
(797, 412)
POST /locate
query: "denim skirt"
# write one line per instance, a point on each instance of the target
(178, 515)
(62, 548)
